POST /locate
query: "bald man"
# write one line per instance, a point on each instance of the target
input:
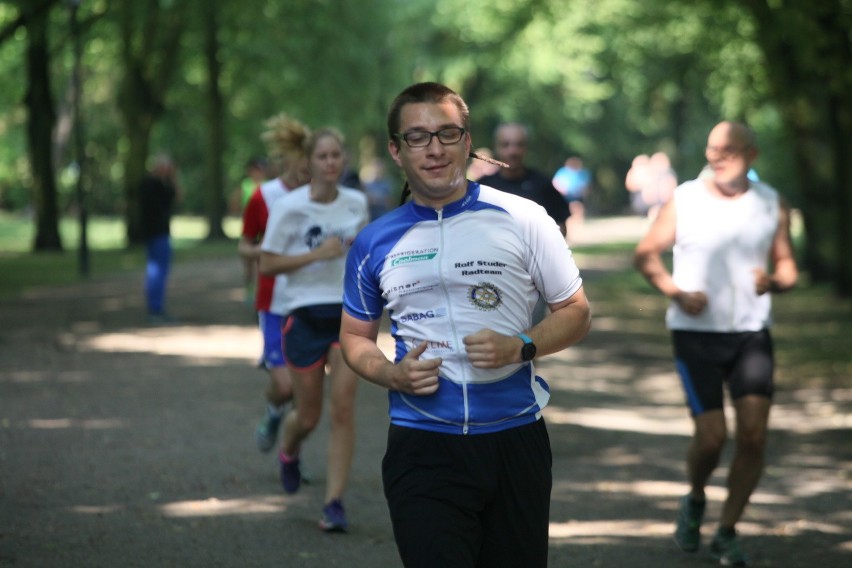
(731, 243)
(510, 146)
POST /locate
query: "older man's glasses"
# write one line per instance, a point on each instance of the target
(422, 138)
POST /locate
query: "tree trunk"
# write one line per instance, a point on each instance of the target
(139, 136)
(215, 197)
(841, 131)
(150, 47)
(40, 124)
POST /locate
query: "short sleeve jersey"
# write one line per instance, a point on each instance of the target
(480, 262)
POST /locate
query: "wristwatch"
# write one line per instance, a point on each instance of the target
(528, 350)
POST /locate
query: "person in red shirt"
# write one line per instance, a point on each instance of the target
(285, 138)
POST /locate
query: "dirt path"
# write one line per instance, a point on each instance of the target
(126, 445)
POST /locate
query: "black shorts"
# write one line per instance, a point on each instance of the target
(706, 360)
(309, 333)
(469, 501)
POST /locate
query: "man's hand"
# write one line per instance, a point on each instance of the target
(415, 376)
(693, 303)
(488, 349)
(763, 283)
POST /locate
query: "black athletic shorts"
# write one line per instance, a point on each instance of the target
(480, 500)
(707, 360)
(309, 333)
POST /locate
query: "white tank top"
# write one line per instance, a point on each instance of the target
(719, 244)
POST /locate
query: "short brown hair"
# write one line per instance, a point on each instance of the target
(428, 92)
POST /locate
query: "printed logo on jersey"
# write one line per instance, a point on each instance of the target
(403, 287)
(314, 237)
(409, 256)
(420, 316)
(485, 296)
(470, 268)
(444, 345)
(407, 289)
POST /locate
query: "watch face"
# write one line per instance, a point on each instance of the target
(528, 351)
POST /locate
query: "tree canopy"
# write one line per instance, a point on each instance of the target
(607, 80)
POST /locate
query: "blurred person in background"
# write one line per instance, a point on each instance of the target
(307, 237)
(731, 251)
(510, 146)
(158, 192)
(285, 138)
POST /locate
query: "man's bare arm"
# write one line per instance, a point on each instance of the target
(361, 352)
(783, 259)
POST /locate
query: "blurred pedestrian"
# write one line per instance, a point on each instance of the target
(572, 180)
(308, 234)
(255, 175)
(285, 138)
(732, 249)
(510, 144)
(158, 192)
(651, 181)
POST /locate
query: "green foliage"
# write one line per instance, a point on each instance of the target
(606, 79)
(14, 170)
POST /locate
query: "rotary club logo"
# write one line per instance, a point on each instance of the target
(485, 296)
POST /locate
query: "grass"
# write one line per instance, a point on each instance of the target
(20, 269)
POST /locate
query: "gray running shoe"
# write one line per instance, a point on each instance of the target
(266, 432)
(726, 549)
(688, 530)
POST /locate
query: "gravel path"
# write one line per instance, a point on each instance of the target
(128, 445)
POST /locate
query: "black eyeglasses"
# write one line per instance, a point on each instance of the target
(422, 138)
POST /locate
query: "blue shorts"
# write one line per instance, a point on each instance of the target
(309, 333)
(706, 361)
(273, 349)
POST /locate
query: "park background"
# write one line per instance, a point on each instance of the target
(93, 88)
(115, 436)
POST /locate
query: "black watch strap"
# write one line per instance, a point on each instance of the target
(528, 349)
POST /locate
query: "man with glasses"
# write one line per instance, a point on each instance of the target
(510, 146)
(731, 243)
(459, 269)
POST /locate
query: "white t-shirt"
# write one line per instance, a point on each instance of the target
(718, 245)
(296, 226)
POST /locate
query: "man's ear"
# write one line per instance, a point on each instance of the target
(751, 154)
(393, 148)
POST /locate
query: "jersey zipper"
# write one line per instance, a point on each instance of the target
(452, 320)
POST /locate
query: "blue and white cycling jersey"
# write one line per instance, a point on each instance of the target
(480, 262)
